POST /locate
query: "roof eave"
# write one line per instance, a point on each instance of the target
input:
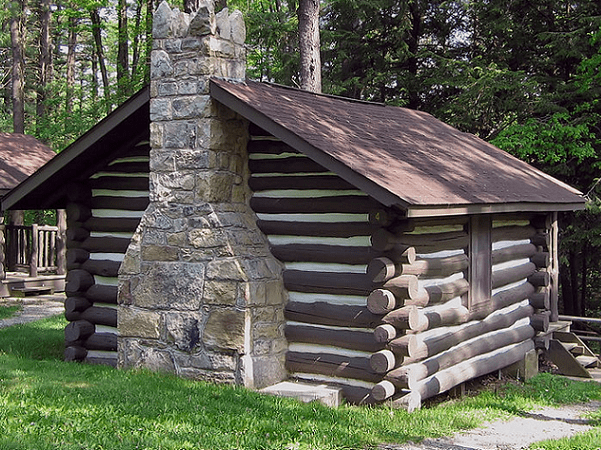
(292, 139)
(494, 208)
(76, 149)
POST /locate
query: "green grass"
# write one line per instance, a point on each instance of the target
(46, 403)
(6, 312)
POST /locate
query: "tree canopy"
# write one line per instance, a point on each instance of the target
(524, 75)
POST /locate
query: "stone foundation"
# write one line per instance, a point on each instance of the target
(199, 293)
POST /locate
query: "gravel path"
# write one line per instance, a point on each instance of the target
(34, 308)
(513, 434)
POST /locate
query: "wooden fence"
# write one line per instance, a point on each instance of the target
(31, 248)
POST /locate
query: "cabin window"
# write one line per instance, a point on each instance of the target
(480, 268)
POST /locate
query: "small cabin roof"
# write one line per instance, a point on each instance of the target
(401, 157)
(20, 156)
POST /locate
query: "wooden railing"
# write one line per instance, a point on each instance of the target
(31, 248)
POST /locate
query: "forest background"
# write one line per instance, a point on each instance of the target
(524, 75)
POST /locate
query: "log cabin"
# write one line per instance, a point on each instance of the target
(244, 232)
(20, 156)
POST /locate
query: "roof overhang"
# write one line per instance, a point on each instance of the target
(47, 187)
(225, 93)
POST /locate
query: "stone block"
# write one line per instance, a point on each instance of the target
(156, 135)
(214, 187)
(204, 22)
(225, 329)
(159, 253)
(183, 329)
(193, 159)
(221, 293)
(166, 88)
(177, 239)
(525, 368)
(180, 134)
(161, 21)
(205, 238)
(134, 322)
(181, 23)
(306, 393)
(170, 285)
(227, 269)
(190, 107)
(223, 24)
(237, 27)
(160, 65)
(160, 109)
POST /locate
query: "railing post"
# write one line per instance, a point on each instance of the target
(61, 238)
(33, 255)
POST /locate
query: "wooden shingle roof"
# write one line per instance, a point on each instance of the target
(401, 157)
(20, 156)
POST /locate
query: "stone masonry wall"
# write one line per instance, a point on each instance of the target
(199, 293)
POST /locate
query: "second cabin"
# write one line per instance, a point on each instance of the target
(242, 232)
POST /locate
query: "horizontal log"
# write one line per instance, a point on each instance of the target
(437, 267)
(104, 360)
(116, 224)
(76, 256)
(512, 233)
(331, 365)
(327, 282)
(427, 346)
(381, 301)
(293, 164)
(103, 268)
(504, 299)
(441, 293)
(354, 204)
(440, 317)
(403, 286)
(75, 353)
(383, 240)
(406, 377)
(542, 240)
(78, 280)
(322, 313)
(403, 318)
(76, 232)
(76, 212)
(325, 229)
(383, 390)
(120, 183)
(78, 330)
(540, 279)
(106, 244)
(406, 346)
(323, 253)
(99, 293)
(520, 251)
(343, 338)
(76, 304)
(541, 299)
(102, 341)
(268, 146)
(323, 182)
(133, 167)
(540, 321)
(100, 316)
(384, 361)
(383, 268)
(512, 274)
(472, 368)
(542, 260)
(385, 333)
(120, 203)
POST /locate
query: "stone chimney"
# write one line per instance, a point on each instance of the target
(199, 293)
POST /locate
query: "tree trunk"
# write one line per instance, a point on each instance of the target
(96, 31)
(310, 60)
(122, 50)
(45, 61)
(71, 43)
(18, 67)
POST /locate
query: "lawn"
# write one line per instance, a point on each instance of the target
(8, 311)
(46, 403)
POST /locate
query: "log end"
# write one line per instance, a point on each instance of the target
(381, 269)
(381, 301)
(385, 333)
(382, 361)
(383, 390)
